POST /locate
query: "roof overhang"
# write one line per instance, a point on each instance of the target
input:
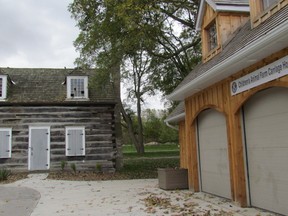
(237, 7)
(272, 42)
(176, 118)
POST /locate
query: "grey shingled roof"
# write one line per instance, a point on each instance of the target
(175, 115)
(41, 85)
(241, 39)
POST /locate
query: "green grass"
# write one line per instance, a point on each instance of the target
(132, 155)
(152, 148)
(145, 166)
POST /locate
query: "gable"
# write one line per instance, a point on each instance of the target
(220, 5)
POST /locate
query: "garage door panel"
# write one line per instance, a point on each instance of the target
(217, 186)
(267, 132)
(266, 129)
(213, 152)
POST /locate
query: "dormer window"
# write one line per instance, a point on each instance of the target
(268, 3)
(212, 36)
(3, 87)
(77, 87)
(261, 10)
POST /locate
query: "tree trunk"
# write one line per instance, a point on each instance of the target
(140, 126)
(118, 128)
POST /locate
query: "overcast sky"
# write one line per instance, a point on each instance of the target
(40, 34)
(36, 33)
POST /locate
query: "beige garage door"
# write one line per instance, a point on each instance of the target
(213, 153)
(266, 129)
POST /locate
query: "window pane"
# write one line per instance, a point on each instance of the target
(212, 36)
(268, 3)
(77, 88)
(1, 84)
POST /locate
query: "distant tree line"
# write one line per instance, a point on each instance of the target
(154, 128)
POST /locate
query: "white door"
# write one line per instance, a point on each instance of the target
(39, 148)
(213, 153)
(266, 132)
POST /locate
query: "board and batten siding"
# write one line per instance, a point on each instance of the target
(98, 121)
(218, 97)
(182, 141)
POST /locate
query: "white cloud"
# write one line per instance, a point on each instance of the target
(36, 33)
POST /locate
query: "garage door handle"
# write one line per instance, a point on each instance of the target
(8, 151)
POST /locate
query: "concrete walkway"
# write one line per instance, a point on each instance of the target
(18, 201)
(121, 198)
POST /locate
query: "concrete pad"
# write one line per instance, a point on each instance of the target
(124, 198)
(18, 200)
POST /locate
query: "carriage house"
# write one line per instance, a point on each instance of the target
(53, 115)
(233, 118)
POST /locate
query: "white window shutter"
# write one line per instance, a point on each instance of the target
(75, 141)
(5, 142)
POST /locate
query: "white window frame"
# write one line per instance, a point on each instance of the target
(4, 87)
(9, 142)
(67, 140)
(85, 78)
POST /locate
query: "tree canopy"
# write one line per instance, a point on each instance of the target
(157, 37)
(113, 30)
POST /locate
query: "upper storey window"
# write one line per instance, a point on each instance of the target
(77, 87)
(212, 36)
(261, 10)
(268, 3)
(3, 87)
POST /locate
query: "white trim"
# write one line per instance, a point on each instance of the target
(4, 87)
(269, 43)
(48, 145)
(85, 78)
(219, 7)
(9, 142)
(200, 16)
(176, 118)
(212, 4)
(171, 126)
(67, 139)
(238, 8)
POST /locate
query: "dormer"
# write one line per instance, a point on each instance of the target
(77, 85)
(217, 20)
(263, 9)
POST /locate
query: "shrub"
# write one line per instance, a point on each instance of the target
(4, 174)
(73, 167)
(63, 165)
(98, 167)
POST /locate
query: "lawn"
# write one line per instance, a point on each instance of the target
(145, 166)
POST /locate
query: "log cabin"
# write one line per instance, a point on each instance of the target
(54, 116)
(233, 115)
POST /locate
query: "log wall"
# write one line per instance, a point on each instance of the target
(219, 97)
(99, 123)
